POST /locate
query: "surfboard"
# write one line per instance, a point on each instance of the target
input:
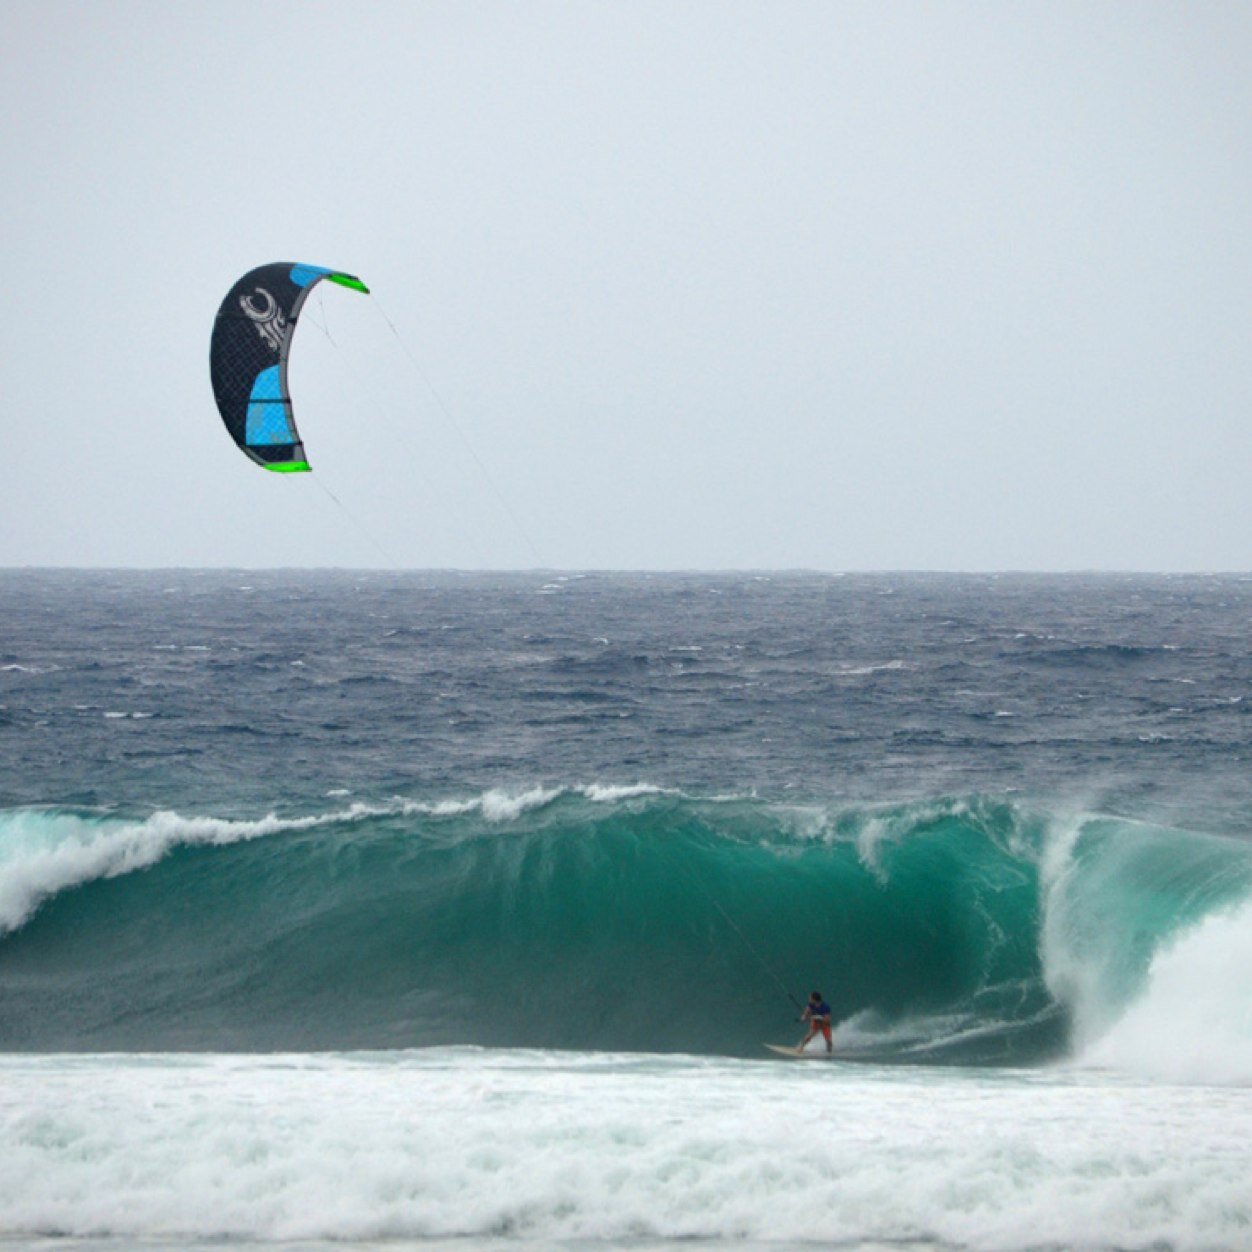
(818, 1054)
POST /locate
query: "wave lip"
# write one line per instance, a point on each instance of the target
(46, 851)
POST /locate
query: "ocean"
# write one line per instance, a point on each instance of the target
(454, 911)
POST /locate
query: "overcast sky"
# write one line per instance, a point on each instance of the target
(697, 285)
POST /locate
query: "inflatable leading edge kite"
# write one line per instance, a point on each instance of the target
(248, 359)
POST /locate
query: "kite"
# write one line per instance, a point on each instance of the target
(248, 359)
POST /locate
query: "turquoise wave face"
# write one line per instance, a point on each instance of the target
(954, 931)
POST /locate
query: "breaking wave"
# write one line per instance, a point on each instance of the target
(959, 930)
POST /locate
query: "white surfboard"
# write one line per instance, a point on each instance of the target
(818, 1054)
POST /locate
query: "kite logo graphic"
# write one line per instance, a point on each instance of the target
(271, 325)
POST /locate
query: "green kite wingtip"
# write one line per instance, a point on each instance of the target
(349, 281)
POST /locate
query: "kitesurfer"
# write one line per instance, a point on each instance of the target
(817, 1014)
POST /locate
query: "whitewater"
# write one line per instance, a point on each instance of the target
(454, 911)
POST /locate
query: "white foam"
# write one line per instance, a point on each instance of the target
(1193, 1020)
(494, 805)
(885, 667)
(501, 806)
(472, 1144)
(603, 793)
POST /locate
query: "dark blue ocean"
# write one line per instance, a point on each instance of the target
(514, 875)
(243, 692)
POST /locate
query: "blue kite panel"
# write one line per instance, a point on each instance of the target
(267, 421)
(303, 275)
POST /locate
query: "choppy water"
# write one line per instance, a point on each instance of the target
(494, 886)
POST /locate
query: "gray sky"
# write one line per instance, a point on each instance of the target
(700, 285)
